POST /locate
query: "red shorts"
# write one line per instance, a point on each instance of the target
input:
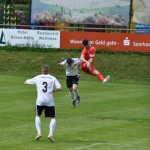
(87, 70)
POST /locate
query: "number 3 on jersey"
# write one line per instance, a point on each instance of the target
(45, 87)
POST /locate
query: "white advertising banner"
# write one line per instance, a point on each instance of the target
(31, 38)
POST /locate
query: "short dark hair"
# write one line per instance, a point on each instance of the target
(45, 69)
(85, 42)
(69, 60)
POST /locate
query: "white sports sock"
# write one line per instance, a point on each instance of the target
(72, 95)
(38, 124)
(52, 127)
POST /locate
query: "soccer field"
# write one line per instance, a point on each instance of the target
(111, 116)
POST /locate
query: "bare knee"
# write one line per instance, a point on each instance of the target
(96, 72)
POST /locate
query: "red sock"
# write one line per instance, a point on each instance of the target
(100, 77)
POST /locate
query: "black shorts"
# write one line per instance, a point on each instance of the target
(70, 80)
(48, 110)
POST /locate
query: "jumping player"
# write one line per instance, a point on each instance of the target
(72, 78)
(87, 57)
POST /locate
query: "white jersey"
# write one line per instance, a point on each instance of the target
(45, 85)
(73, 70)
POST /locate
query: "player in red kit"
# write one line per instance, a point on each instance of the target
(87, 57)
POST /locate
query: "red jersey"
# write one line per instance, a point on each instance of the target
(89, 53)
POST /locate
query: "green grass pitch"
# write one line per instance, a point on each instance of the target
(111, 116)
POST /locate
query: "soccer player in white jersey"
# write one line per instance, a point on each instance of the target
(72, 78)
(46, 84)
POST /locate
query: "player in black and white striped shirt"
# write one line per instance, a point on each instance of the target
(72, 78)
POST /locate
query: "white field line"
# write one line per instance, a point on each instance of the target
(82, 147)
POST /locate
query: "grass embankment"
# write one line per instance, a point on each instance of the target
(27, 62)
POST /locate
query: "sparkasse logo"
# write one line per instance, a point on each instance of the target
(2, 38)
(126, 42)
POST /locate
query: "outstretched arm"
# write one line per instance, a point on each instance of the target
(59, 64)
(30, 81)
(62, 63)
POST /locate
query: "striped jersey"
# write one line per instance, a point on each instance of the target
(73, 69)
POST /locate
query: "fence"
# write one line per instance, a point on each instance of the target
(79, 28)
